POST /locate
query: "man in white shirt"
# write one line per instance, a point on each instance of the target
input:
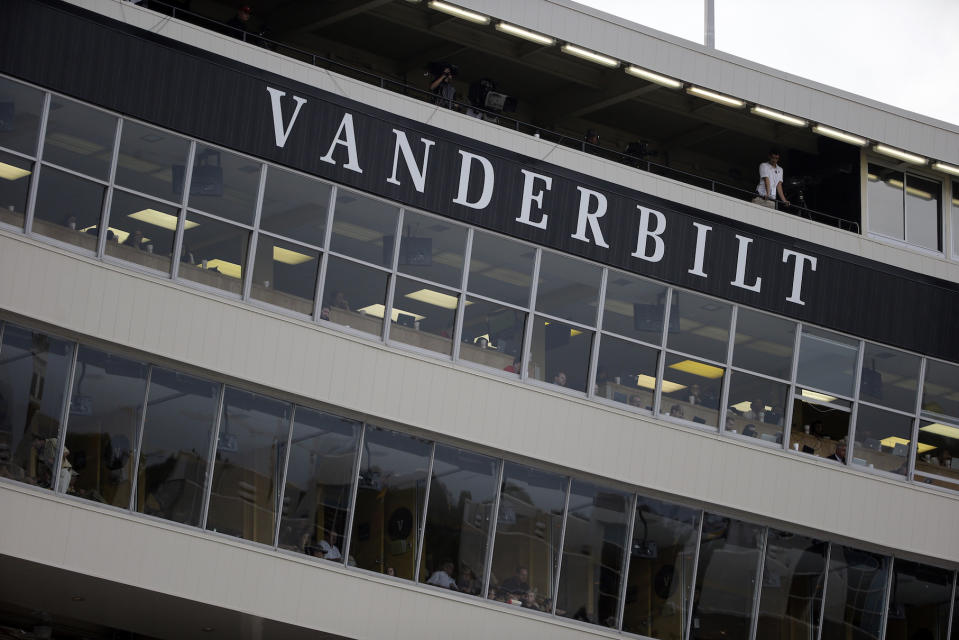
(770, 182)
(444, 577)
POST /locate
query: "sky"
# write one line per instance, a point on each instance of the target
(903, 54)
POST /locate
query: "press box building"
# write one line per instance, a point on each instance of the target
(293, 346)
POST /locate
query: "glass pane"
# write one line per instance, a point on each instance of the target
(793, 577)
(560, 354)
(819, 428)
(141, 231)
(764, 343)
(15, 175)
(855, 594)
(295, 206)
(458, 520)
(389, 503)
(827, 361)
(431, 249)
(691, 390)
(492, 335)
(568, 288)
(940, 389)
(884, 195)
(703, 326)
(319, 479)
(593, 553)
(659, 588)
(354, 296)
(214, 253)
(938, 451)
(634, 307)
(223, 184)
(756, 407)
(626, 372)
(526, 546)
(423, 316)
(149, 159)
(889, 377)
(68, 208)
(79, 137)
(882, 440)
(726, 579)
(361, 226)
(923, 212)
(248, 466)
(33, 381)
(176, 444)
(20, 108)
(284, 274)
(919, 602)
(501, 268)
(105, 410)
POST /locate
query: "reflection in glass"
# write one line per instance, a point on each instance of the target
(691, 390)
(820, 425)
(955, 221)
(248, 466)
(295, 206)
(458, 520)
(726, 578)
(757, 407)
(634, 307)
(526, 547)
(626, 372)
(940, 389)
(284, 274)
(214, 253)
(560, 354)
(360, 227)
(176, 444)
(389, 503)
(15, 175)
(68, 208)
(223, 184)
(105, 411)
(702, 328)
(500, 268)
(423, 316)
(889, 377)
(884, 190)
(882, 440)
(827, 361)
(354, 295)
(919, 602)
(764, 343)
(141, 231)
(33, 381)
(148, 159)
(79, 137)
(593, 553)
(20, 108)
(492, 335)
(431, 248)
(659, 588)
(937, 453)
(855, 594)
(568, 288)
(794, 573)
(319, 478)
(923, 213)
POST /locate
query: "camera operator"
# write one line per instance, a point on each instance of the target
(442, 86)
(770, 182)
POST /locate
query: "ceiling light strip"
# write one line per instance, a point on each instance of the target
(520, 32)
(842, 136)
(646, 74)
(449, 9)
(715, 97)
(778, 116)
(899, 154)
(592, 56)
(946, 168)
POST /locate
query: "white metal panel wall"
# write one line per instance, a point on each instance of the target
(157, 317)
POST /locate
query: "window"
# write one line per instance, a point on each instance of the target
(904, 207)
(919, 602)
(20, 107)
(150, 159)
(141, 231)
(855, 594)
(15, 175)
(79, 138)
(284, 274)
(794, 574)
(68, 208)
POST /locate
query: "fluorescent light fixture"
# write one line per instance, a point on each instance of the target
(287, 256)
(649, 382)
(520, 32)
(226, 268)
(747, 405)
(10, 172)
(73, 143)
(592, 56)
(892, 441)
(899, 154)
(813, 395)
(356, 232)
(941, 430)
(160, 219)
(377, 311)
(842, 136)
(435, 298)
(478, 18)
(716, 97)
(946, 168)
(646, 74)
(700, 369)
(919, 193)
(779, 116)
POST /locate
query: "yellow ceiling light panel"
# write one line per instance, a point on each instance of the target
(700, 369)
(288, 256)
(10, 172)
(230, 269)
(160, 219)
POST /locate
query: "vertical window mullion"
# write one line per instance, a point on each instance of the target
(64, 416)
(251, 250)
(391, 286)
(357, 461)
(857, 381)
(184, 200)
(491, 539)
(108, 196)
(825, 587)
(558, 567)
(917, 418)
(661, 366)
(791, 394)
(627, 558)
(887, 597)
(692, 581)
(138, 442)
(727, 379)
(35, 178)
(594, 350)
(211, 457)
(421, 533)
(528, 330)
(324, 257)
(758, 590)
(461, 308)
(281, 492)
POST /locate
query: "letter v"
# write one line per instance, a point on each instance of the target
(278, 130)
